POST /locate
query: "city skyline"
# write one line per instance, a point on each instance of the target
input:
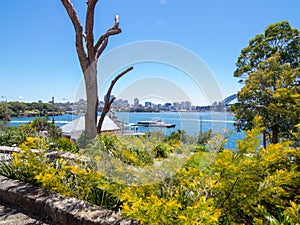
(38, 55)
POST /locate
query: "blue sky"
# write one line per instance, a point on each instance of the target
(37, 51)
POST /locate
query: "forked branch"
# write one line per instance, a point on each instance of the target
(93, 51)
(103, 40)
(108, 101)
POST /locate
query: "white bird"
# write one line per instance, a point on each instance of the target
(117, 19)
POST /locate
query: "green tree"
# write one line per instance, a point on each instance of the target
(2, 111)
(278, 37)
(5, 112)
(18, 108)
(271, 92)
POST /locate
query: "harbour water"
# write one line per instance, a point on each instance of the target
(191, 122)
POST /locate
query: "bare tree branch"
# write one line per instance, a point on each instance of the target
(103, 40)
(109, 32)
(89, 27)
(109, 101)
(102, 48)
(79, 33)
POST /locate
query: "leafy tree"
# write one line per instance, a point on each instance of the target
(269, 68)
(18, 108)
(272, 93)
(278, 37)
(254, 183)
(2, 112)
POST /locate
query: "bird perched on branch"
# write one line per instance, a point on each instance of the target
(117, 20)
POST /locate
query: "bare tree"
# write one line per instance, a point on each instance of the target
(88, 57)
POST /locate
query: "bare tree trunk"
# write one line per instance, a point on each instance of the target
(275, 138)
(264, 139)
(91, 87)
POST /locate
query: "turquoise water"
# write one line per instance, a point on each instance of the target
(191, 122)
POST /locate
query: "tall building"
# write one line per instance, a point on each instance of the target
(177, 105)
(136, 103)
(186, 105)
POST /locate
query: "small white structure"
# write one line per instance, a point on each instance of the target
(77, 126)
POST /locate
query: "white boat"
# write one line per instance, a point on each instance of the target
(155, 123)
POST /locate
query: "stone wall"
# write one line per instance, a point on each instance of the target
(50, 206)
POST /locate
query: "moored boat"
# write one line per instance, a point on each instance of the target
(154, 123)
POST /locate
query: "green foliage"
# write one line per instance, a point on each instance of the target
(252, 185)
(278, 37)
(9, 170)
(62, 176)
(162, 150)
(232, 189)
(42, 143)
(83, 141)
(10, 136)
(271, 88)
(42, 125)
(178, 136)
(203, 137)
(5, 112)
(177, 200)
(39, 134)
(101, 197)
(127, 149)
(38, 142)
(269, 67)
(30, 109)
(63, 144)
(251, 178)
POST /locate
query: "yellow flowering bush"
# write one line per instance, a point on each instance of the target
(69, 178)
(251, 185)
(35, 143)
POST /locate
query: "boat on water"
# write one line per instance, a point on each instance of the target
(154, 123)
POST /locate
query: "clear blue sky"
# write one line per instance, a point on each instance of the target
(37, 50)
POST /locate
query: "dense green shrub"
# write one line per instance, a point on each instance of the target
(43, 126)
(83, 141)
(178, 136)
(129, 150)
(39, 134)
(10, 136)
(162, 150)
(63, 144)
